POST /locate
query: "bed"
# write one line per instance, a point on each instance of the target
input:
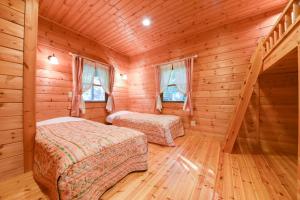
(160, 129)
(80, 159)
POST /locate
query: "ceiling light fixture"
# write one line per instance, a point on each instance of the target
(146, 21)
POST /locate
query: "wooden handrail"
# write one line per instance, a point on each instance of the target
(287, 19)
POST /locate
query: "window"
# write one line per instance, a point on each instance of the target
(92, 78)
(175, 84)
(171, 94)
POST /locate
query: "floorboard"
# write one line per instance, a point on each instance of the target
(249, 173)
(195, 169)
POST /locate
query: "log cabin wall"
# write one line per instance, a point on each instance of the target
(54, 82)
(298, 191)
(11, 87)
(223, 60)
(271, 120)
(250, 126)
(278, 130)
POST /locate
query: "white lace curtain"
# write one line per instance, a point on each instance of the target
(88, 75)
(104, 76)
(174, 73)
(165, 75)
(89, 71)
(179, 76)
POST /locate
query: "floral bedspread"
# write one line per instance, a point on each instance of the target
(81, 160)
(160, 129)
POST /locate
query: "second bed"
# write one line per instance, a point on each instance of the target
(159, 129)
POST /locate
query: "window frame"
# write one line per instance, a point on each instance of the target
(97, 101)
(162, 97)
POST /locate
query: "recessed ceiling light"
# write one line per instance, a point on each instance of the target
(146, 21)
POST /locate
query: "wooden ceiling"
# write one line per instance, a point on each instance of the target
(117, 23)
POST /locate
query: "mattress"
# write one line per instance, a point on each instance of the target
(81, 159)
(159, 129)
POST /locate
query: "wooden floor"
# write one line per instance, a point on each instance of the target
(250, 174)
(21, 187)
(187, 171)
(192, 171)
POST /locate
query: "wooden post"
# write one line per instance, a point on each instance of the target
(275, 36)
(30, 48)
(271, 42)
(280, 30)
(258, 111)
(295, 12)
(287, 22)
(267, 46)
(298, 189)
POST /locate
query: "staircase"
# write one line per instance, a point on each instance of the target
(282, 39)
(256, 64)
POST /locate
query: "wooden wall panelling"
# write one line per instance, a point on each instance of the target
(250, 128)
(11, 41)
(10, 68)
(11, 55)
(278, 105)
(18, 5)
(279, 112)
(30, 48)
(54, 82)
(12, 166)
(11, 14)
(11, 87)
(298, 188)
(11, 28)
(223, 60)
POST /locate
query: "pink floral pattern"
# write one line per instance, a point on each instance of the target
(160, 129)
(81, 160)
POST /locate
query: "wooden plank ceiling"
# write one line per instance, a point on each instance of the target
(117, 23)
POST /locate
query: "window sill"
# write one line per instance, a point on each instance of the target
(172, 101)
(95, 101)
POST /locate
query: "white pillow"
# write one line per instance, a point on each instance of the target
(58, 120)
(111, 117)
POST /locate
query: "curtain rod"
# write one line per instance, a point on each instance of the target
(176, 60)
(74, 54)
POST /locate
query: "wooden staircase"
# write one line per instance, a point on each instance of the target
(282, 39)
(256, 64)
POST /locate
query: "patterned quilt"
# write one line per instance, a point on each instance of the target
(160, 129)
(82, 159)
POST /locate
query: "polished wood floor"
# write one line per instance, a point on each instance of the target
(250, 174)
(21, 187)
(195, 169)
(187, 171)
